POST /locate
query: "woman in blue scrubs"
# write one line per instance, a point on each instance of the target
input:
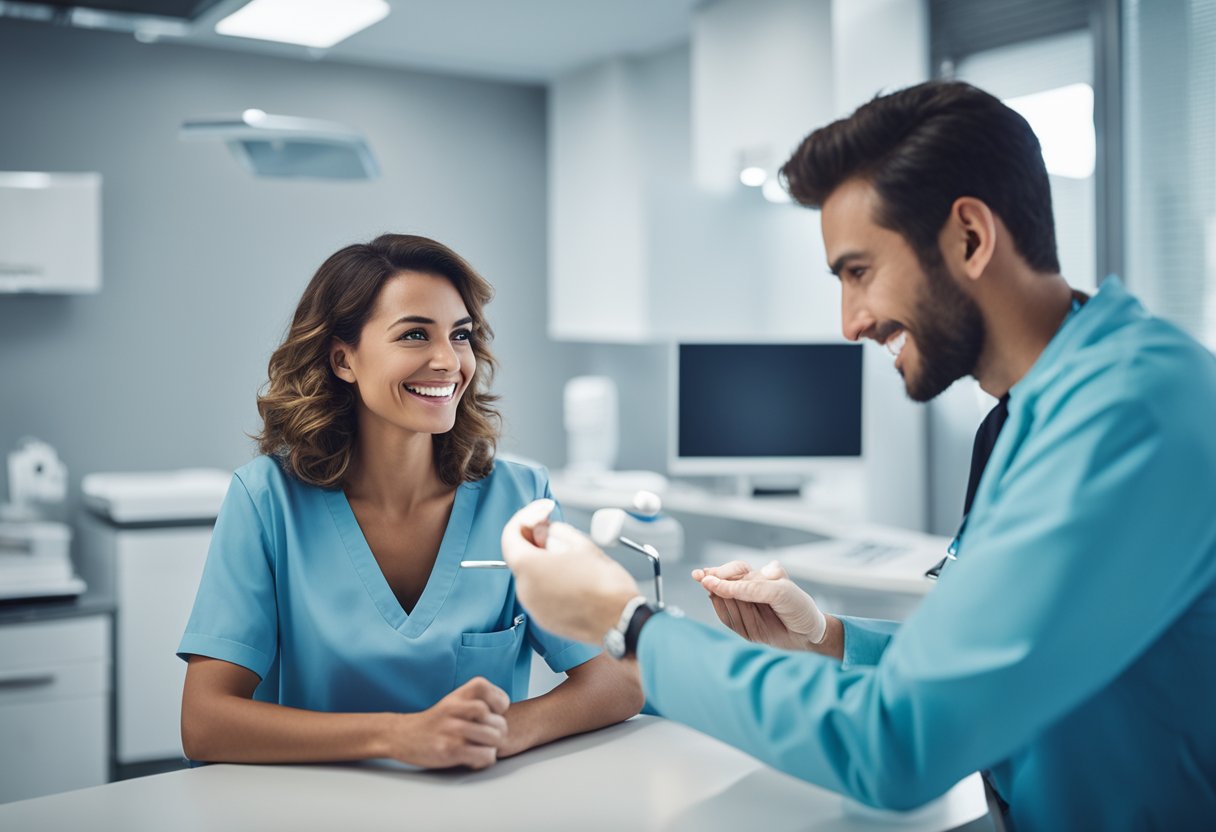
(333, 620)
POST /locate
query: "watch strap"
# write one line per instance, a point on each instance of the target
(622, 623)
(614, 639)
(633, 631)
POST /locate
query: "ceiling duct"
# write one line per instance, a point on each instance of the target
(288, 146)
(147, 19)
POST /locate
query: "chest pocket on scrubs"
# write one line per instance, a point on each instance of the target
(492, 655)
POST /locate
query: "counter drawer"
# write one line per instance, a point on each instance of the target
(54, 706)
(52, 747)
(62, 641)
(49, 683)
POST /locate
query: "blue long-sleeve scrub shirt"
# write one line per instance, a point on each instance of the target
(1070, 651)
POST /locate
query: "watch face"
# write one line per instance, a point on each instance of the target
(614, 643)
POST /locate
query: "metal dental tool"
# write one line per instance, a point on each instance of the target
(606, 526)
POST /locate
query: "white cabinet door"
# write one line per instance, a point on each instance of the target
(157, 573)
(54, 706)
(35, 253)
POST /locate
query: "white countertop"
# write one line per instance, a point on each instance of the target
(645, 774)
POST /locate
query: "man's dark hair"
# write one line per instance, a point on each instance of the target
(923, 147)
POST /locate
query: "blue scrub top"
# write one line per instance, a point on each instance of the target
(1071, 648)
(292, 591)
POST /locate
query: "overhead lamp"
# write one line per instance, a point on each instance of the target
(316, 23)
(288, 146)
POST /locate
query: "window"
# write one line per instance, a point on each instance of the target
(1049, 80)
(1170, 105)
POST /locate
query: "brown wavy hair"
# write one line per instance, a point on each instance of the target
(308, 413)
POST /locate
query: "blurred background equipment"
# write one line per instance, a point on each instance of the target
(35, 551)
(591, 424)
(37, 480)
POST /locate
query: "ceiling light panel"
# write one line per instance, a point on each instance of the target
(315, 23)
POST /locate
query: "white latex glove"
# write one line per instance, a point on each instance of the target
(564, 581)
(764, 605)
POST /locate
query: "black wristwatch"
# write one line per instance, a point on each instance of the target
(622, 640)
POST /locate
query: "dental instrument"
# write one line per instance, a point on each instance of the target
(606, 527)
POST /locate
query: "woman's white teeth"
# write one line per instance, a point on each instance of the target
(437, 392)
(895, 344)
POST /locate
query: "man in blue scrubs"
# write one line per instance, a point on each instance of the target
(1069, 650)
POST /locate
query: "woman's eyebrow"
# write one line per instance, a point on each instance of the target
(419, 319)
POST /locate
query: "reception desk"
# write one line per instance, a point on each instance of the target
(644, 774)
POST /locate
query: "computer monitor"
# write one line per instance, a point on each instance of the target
(752, 410)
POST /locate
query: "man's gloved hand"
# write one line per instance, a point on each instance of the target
(764, 605)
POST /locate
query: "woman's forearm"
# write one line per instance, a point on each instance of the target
(219, 726)
(227, 728)
(600, 692)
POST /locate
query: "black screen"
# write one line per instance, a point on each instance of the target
(769, 400)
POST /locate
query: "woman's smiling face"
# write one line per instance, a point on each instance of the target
(415, 357)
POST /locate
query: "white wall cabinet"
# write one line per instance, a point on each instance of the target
(154, 575)
(638, 253)
(761, 79)
(54, 706)
(50, 232)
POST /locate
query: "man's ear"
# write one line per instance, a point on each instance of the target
(970, 236)
(338, 352)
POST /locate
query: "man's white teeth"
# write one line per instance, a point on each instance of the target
(895, 344)
(437, 392)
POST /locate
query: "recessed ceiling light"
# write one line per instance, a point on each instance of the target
(773, 191)
(753, 176)
(316, 23)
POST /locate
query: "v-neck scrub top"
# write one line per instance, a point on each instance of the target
(292, 591)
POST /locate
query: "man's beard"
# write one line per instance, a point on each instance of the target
(949, 334)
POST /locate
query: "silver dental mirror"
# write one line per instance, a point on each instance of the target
(606, 527)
